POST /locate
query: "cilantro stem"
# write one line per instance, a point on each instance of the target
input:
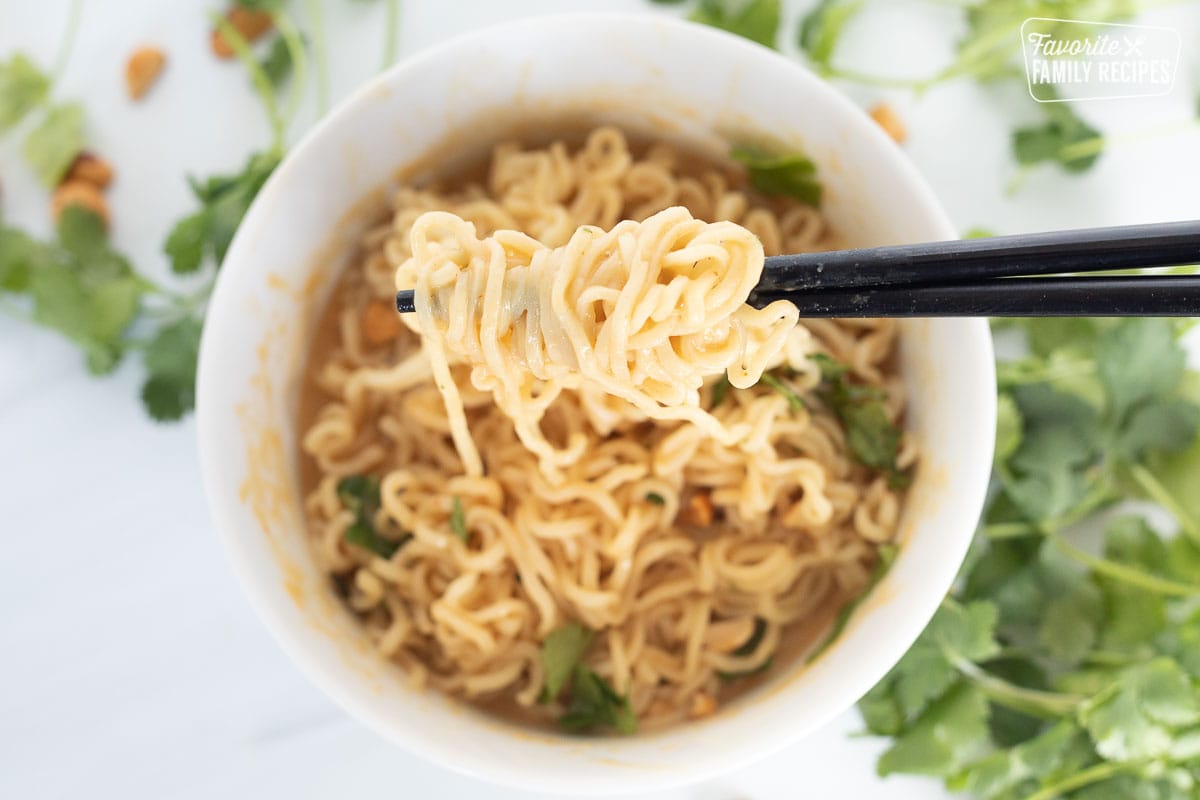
(67, 43)
(1010, 530)
(1159, 494)
(1098, 772)
(1126, 574)
(391, 32)
(880, 81)
(1096, 144)
(316, 17)
(262, 84)
(1035, 702)
(295, 46)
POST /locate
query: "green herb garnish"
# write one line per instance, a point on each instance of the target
(562, 650)
(792, 176)
(747, 648)
(1053, 140)
(656, 498)
(22, 87)
(53, 144)
(593, 703)
(458, 519)
(872, 437)
(360, 495)
(821, 29)
(794, 401)
(756, 20)
(719, 391)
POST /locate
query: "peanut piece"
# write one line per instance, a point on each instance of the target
(381, 323)
(886, 117)
(699, 510)
(703, 705)
(142, 70)
(78, 193)
(250, 24)
(90, 168)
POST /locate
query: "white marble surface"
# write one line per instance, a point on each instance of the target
(130, 664)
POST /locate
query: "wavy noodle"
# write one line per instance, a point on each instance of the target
(643, 312)
(673, 538)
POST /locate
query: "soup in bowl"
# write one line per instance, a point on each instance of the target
(580, 581)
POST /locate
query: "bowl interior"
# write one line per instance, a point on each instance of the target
(651, 75)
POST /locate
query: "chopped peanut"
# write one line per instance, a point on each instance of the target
(381, 323)
(90, 168)
(699, 510)
(729, 634)
(886, 117)
(79, 193)
(142, 70)
(250, 24)
(703, 705)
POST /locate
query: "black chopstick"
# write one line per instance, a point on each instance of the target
(1125, 296)
(966, 260)
(990, 277)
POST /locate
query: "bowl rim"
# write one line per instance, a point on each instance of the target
(213, 458)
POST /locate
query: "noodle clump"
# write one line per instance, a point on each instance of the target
(643, 312)
(611, 475)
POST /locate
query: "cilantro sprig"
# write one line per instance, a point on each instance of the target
(1054, 669)
(793, 175)
(872, 437)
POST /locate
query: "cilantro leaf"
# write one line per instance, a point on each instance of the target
(81, 288)
(927, 670)
(1008, 427)
(361, 534)
(186, 242)
(22, 87)
(277, 63)
(224, 199)
(872, 437)
(949, 734)
(1135, 718)
(821, 28)
(792, 176)
(746, 648)
(360, 494)
(561, 652)
(20, 254)
(1063, 748)
(595, 704)
(757, 20)
(51, 147)
(171, 358)
(458, 519)
(794, 401)
(719, 391)
(1138, 359)
(1049, 142)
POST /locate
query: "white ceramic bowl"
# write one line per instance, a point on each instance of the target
(649, 73)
